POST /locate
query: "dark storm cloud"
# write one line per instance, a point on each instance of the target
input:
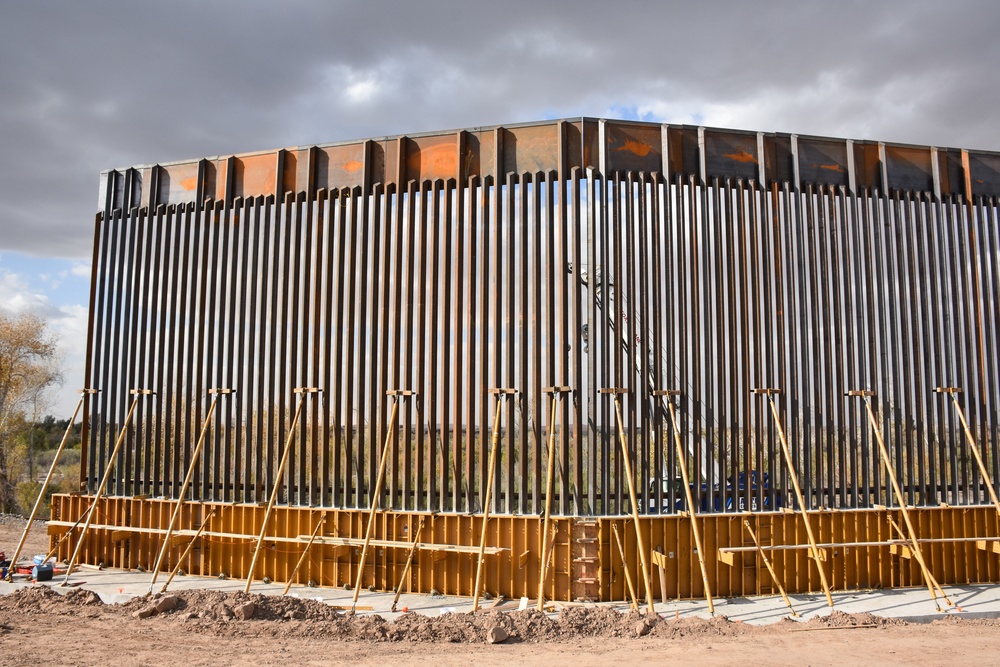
(88, 86)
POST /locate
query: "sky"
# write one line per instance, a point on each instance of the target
(89, 86)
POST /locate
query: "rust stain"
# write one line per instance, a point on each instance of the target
(352, 166)
(740, 156)
(637, 147)
(832, 167)
(190, 183)
(433, 162)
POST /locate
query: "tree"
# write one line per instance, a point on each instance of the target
(28, 366)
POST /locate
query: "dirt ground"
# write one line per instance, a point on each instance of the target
(40, 627)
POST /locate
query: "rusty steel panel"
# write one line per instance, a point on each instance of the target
(587, 254)
(605, 145)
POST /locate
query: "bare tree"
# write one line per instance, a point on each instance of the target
(28, 366)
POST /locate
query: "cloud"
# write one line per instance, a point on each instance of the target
(99, 85)
(67, 323)
(17, 297)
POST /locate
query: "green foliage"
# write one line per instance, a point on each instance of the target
(26, 494)
(28, 367)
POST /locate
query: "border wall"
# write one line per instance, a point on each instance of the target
(586, 254)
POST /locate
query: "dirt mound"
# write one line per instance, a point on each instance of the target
(455, 628)
(840, 619)
(218, 606)
(42, 599)
(596, 622)
(720, 626)
(255, 615)
(530, 625)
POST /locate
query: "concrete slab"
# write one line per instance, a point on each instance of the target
(119, 586)
(913, 604)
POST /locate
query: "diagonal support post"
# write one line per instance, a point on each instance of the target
(397, 395)
(195, 457)
(305, 551)
(614, 392)
(770, 568)
(302, 392)
(911, 533)
(187, 549)
(556, 393)
(84, 393)
(138, 393)
(628, 575)
(409, 562)
(813, 549)
(682, 461)
(953, 392)
(501, 394)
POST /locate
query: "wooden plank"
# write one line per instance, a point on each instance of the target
(301, 539)
(881, 543)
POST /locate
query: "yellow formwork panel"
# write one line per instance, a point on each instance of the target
(861, 547)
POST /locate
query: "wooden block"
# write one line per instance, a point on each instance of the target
(727, 557)
(121, 535)
(178, 540)
(56, 530)
(439, 556)
(522, 560)
(988, 545)
(659, 558)
(900, 550)
(820, 551)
